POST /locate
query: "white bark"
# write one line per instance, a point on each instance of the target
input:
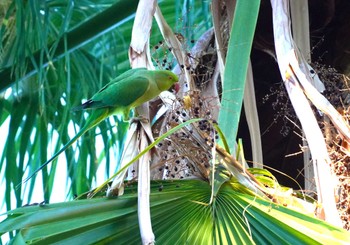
(301, 35)
(143, 190)
(292, 76)
(139, 56)
(130, 151)
(253, 119)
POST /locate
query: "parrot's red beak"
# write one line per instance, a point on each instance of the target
(177, 87)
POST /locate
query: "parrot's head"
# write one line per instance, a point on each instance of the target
(165, 80)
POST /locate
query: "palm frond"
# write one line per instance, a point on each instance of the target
(180, 214)
(237, 60)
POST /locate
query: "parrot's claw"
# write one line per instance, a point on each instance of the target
(139, 119)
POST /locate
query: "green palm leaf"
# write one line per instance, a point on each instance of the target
(180, 215)
(236, 66)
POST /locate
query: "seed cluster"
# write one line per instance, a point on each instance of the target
(282, 106)
(187, 152)
(161, 56)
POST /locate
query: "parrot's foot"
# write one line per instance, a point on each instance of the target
(139, 119)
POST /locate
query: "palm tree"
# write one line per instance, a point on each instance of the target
(53, 50)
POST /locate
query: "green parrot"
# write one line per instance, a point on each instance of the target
(119, 96)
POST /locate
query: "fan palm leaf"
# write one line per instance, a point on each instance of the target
(180, 213)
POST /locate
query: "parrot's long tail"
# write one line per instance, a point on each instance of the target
(95, 118)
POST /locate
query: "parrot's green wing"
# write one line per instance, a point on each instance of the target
(121, 78)
(121, 94)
